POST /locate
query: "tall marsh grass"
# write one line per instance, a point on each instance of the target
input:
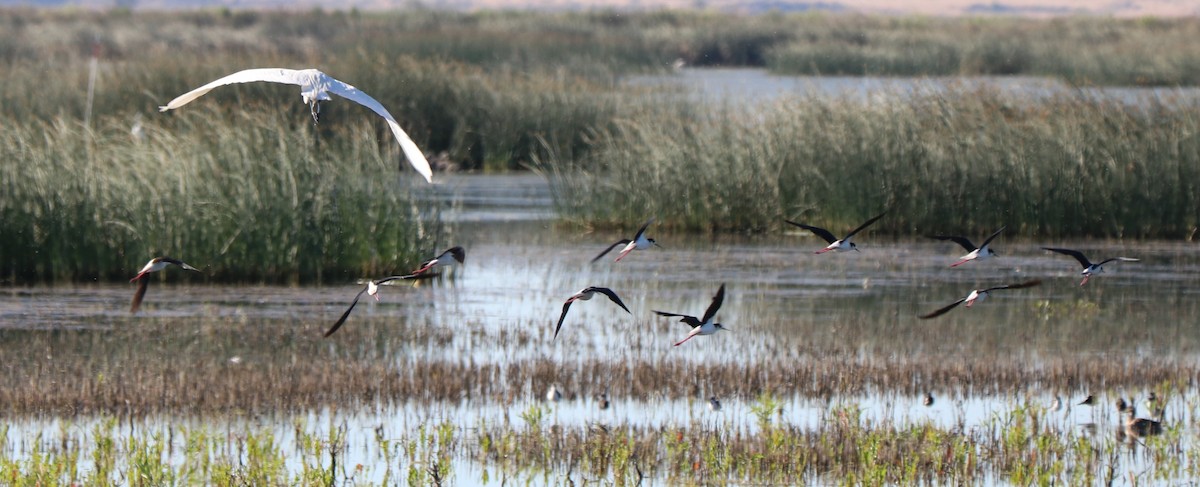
(1081, 50)
(242, 182)
(963, 160)
(256, 198)
(598, 44)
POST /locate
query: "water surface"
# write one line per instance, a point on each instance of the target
(791, 313)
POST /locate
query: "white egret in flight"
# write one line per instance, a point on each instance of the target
(315, 87)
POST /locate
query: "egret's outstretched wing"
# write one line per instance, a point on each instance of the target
(273, 75)
(411, 151)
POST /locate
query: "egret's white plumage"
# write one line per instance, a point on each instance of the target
(315, 87)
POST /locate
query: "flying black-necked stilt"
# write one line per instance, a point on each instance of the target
(705, 326)
(973, 253)
(156, 264)
(836, 244)
(1090, 400)
(639, 242)
(372, 288)
(445, 259)
(585, 295)
(1088, 267)
(713, 404)
(977, 295)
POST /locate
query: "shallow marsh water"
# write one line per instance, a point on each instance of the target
(474, 349)
(759, 85)
(813, 331)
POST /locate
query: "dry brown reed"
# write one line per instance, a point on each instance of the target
(190, 366)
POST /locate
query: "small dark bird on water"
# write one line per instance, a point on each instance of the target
(1140, 427)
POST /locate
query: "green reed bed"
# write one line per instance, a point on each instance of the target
(1081, 50)
(965, 160)
(108, 453)
(474, 117)
(597, 44)
(254, 198)
(1021, 446)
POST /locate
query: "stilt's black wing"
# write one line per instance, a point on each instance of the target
(716, 305)
(943, 310)
(143, 283)
(818, 231)
(623, 241)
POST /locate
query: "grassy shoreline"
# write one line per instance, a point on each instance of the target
(964, 160)
(221, 182)
(1080, 50)
(83, 205)
(1022, 445)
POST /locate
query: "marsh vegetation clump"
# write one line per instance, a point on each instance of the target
(1072, 164)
